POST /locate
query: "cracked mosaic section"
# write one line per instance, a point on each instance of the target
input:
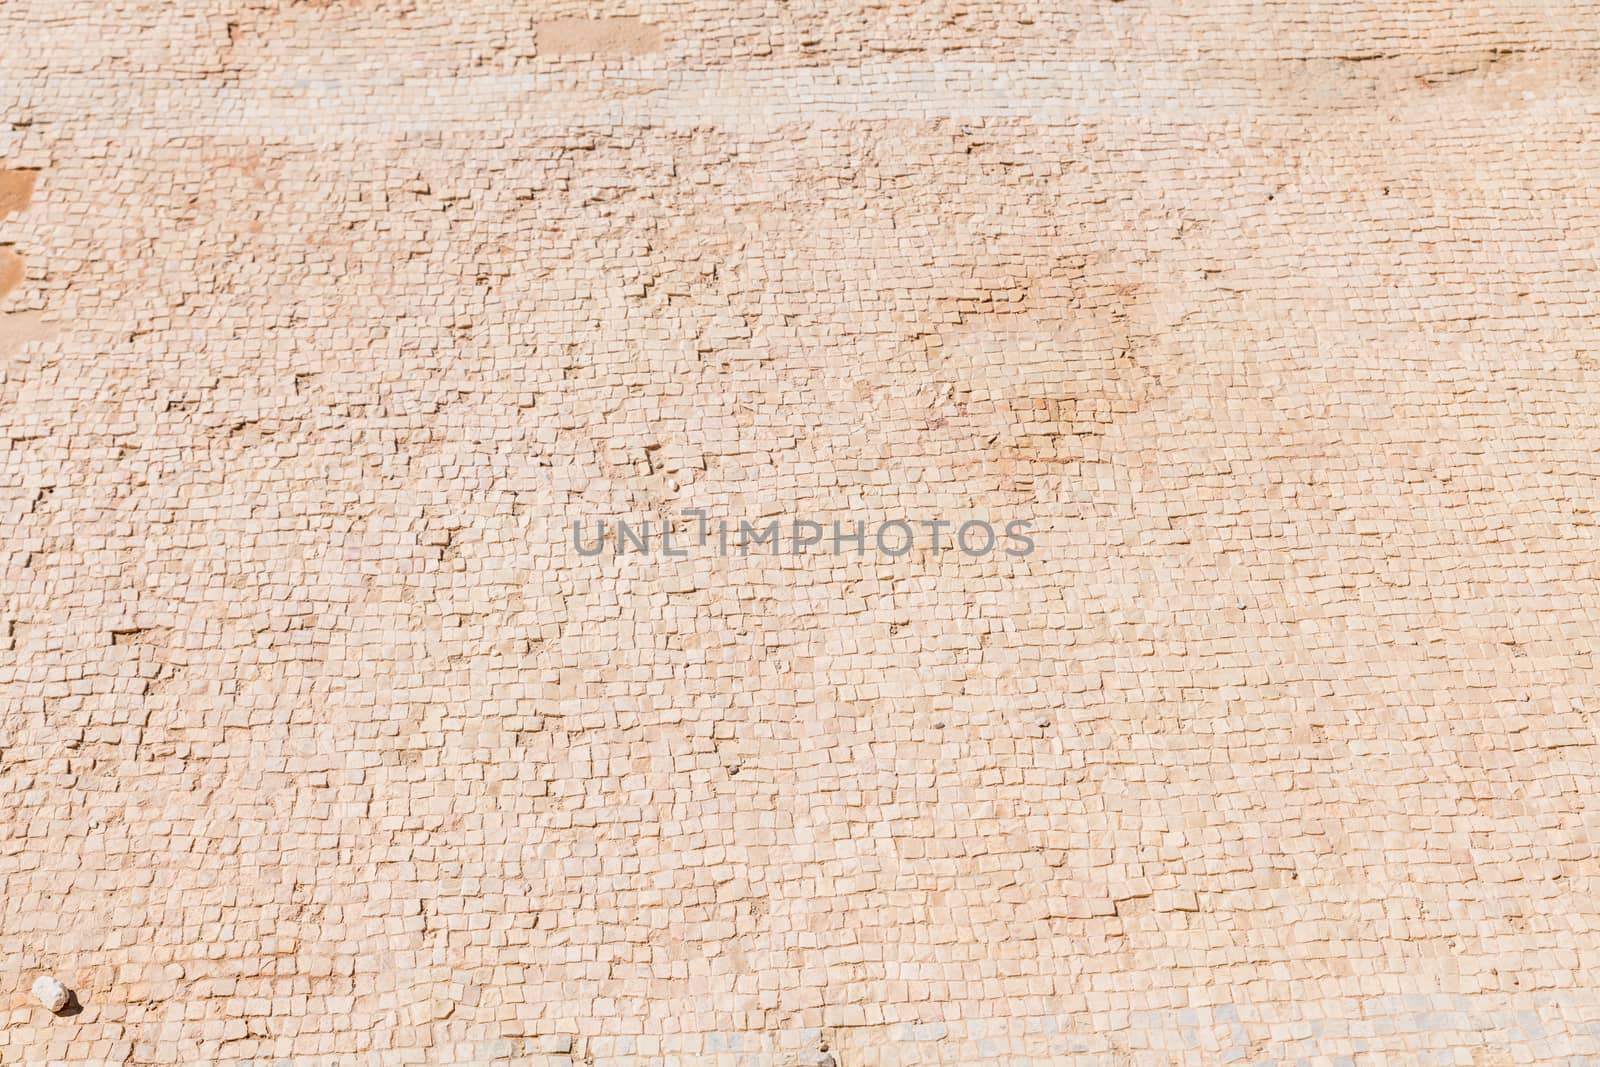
(322, 322)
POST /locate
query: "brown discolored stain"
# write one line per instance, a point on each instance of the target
(16, 329)
(16, 190)
(1042, 364)
(615, 36)
(1045, 385)
(11, 270)
(1501, 71)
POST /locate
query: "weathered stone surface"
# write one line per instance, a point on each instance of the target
(321, 743)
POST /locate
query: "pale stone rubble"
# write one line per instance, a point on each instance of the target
(322, 745)
(51, 993)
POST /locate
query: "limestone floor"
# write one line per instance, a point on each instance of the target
(322, 743)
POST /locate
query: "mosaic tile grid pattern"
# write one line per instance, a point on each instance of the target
(321, 744)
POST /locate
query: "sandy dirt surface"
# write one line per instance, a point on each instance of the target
(597, 37)
(322, 742)
(16, 191)
(11, 270)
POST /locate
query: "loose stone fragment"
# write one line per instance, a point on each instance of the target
(51, 993)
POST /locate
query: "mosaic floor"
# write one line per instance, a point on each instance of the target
(1260, 728)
